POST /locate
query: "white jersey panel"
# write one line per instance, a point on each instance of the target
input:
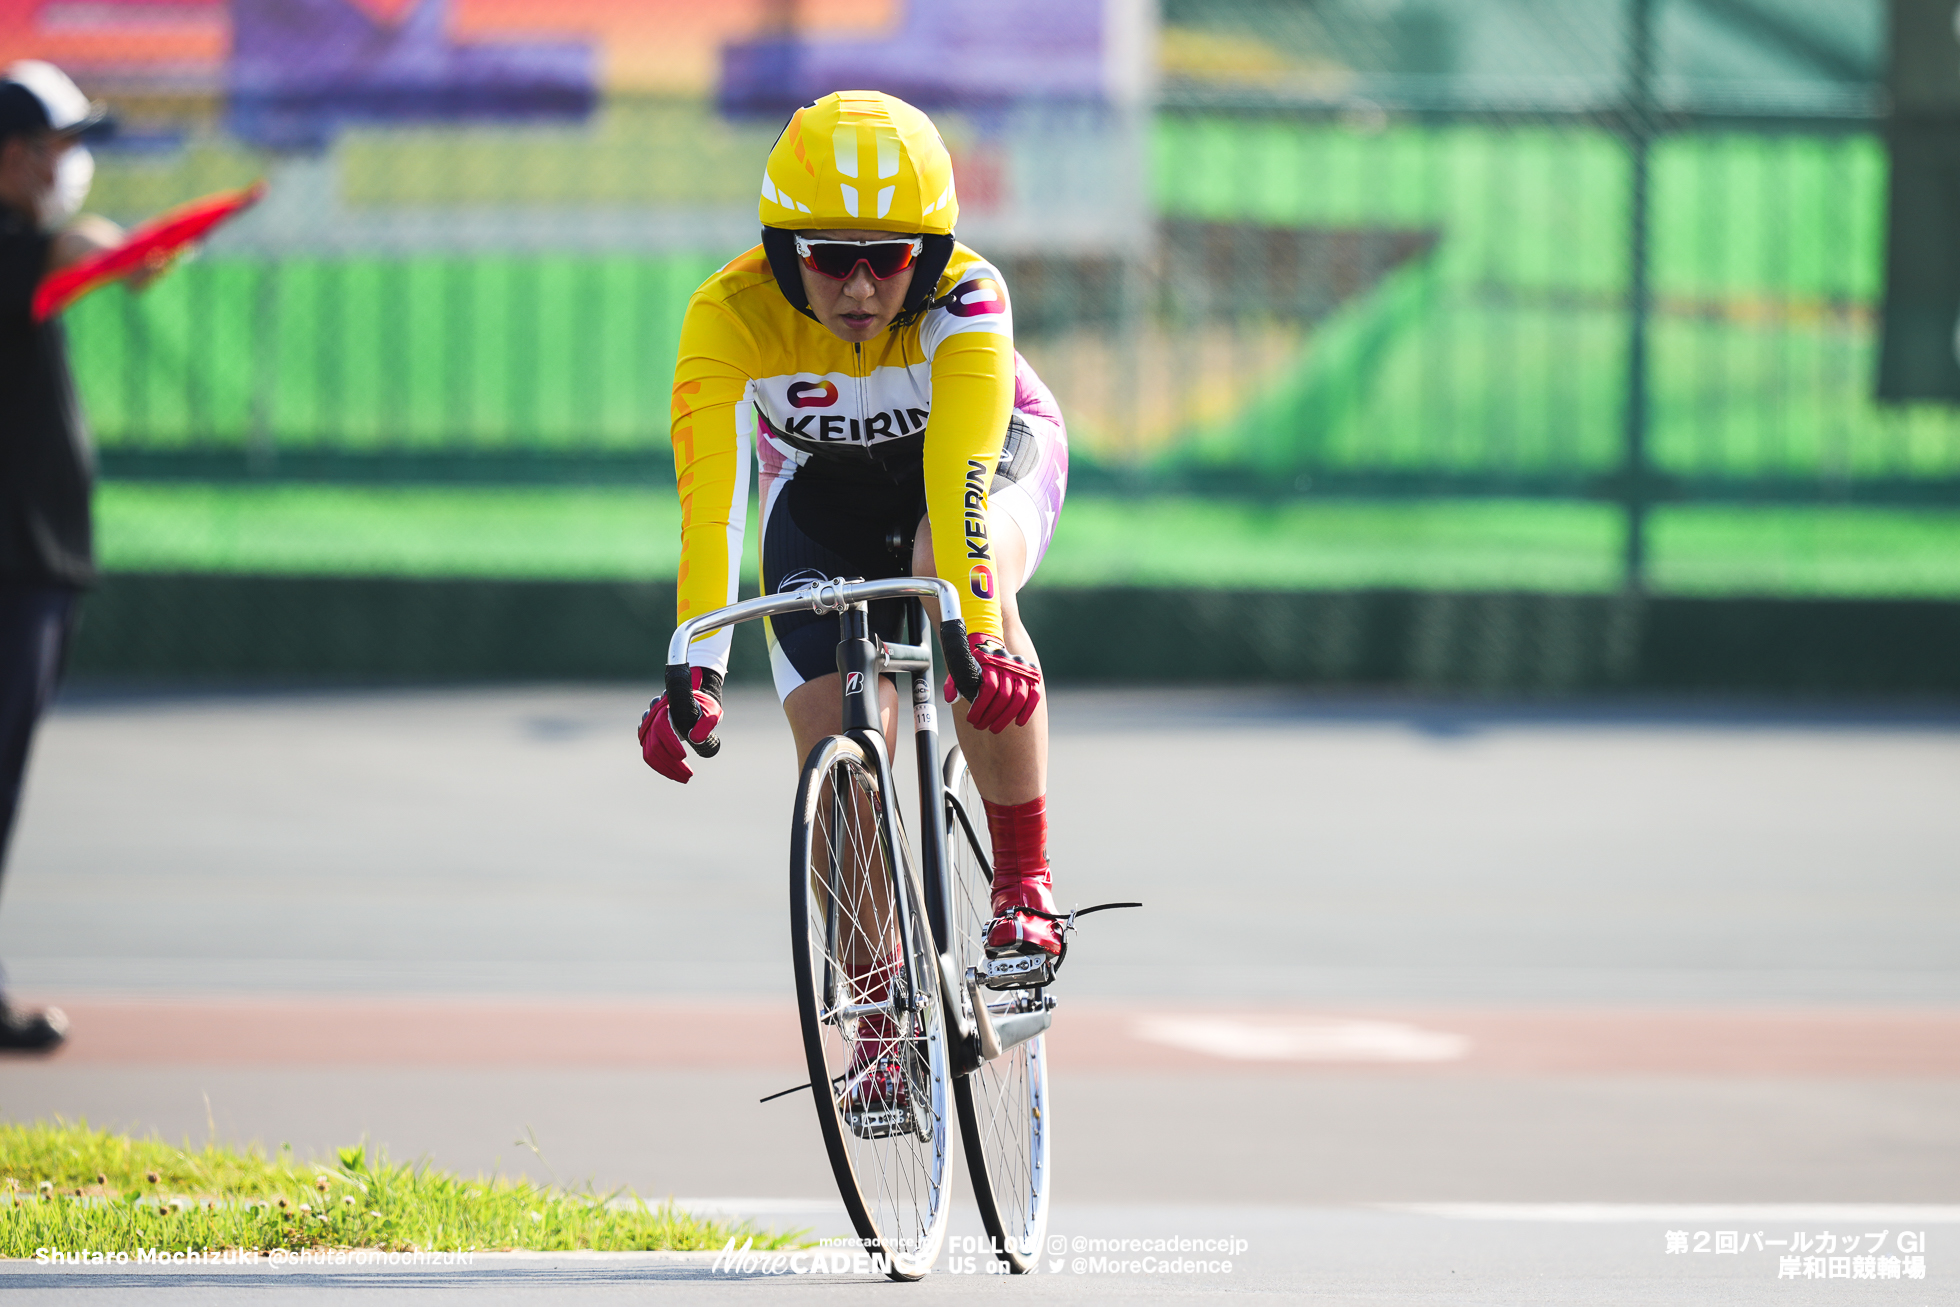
(818, 409)
(978, 302)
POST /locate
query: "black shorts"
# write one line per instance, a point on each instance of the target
(829, 520)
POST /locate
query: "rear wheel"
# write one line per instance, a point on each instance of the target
(867, 989)
(1003, 1103)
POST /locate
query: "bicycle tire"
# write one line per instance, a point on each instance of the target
(1003, 1104)
(889, 1161)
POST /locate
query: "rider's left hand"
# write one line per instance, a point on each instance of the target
(1010, 686)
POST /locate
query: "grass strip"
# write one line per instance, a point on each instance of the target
(620, 533)
(1191, 543)
(76, 1188)
(546, 533)
(633, 534)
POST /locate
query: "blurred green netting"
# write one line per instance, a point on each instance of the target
(1503, 350)
(1498, 348)
(440, 352)
(1384, 250)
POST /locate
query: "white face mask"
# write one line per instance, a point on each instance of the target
(74, 173)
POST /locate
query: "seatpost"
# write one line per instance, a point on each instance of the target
(857, 663)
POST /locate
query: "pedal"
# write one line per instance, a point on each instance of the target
(1016, 970)
(880, 1123)
(1034, 969)
(884, 1108)
(913, 1117)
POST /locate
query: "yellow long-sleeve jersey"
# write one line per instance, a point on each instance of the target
(755, 375)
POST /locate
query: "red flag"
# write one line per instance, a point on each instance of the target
(160, 237)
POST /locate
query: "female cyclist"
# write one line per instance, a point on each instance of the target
(868, 361)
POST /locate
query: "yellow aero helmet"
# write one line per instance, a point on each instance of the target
(860, 159)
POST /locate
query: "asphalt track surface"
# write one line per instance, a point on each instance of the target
(1429, 1002)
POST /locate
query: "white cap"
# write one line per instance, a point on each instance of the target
(58, 99)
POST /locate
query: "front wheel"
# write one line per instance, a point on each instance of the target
(867, 991)
(1003, 1103)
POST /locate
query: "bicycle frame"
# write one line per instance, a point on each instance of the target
(946, 1048)
(861, 661)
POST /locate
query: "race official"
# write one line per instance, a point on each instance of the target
(46, 549)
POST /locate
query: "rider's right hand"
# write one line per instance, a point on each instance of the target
(661, 746)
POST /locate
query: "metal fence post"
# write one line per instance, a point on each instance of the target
(261, 453)
(1640, 133)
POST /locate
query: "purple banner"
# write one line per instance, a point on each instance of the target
(301, 68)
(944, 53)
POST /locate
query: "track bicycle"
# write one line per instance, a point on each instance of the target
(892, 978)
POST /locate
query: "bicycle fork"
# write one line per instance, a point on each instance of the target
(861, 663)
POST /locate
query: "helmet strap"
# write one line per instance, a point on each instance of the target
(926, 271)
(780, 245)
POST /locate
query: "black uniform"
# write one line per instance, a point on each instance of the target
(46, 544)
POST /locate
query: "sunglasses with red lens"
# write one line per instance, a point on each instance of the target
(837, 260)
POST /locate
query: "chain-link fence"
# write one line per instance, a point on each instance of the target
(1621, 250)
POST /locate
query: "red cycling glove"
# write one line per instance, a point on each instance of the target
(661, 746)
(1010, 686)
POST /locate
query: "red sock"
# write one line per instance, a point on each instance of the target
(1020, 832)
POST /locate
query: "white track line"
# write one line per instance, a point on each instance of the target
(1269, 1039)
(1642, 1213)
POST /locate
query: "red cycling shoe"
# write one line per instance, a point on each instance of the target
(1024, 941)
(877, 1075)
